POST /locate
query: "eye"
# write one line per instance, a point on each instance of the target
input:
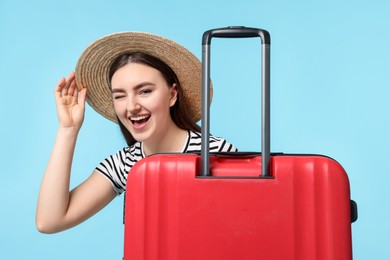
(116, 97)
(145, 91)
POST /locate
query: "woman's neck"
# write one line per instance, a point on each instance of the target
(173, 141)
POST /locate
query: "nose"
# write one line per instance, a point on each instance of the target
(133, 107)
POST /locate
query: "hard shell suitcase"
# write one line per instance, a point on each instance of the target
(238, 205)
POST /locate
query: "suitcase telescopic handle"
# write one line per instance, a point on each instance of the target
(237, 32)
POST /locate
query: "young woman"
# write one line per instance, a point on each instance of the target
(147, 84)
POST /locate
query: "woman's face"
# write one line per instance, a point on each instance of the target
(142, 99)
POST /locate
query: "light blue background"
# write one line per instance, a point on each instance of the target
(330, 91)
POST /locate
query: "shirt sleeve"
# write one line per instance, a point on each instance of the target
(115, 168)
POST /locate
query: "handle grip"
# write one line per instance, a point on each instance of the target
(236, 32)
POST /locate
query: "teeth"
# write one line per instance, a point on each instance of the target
(138, 118)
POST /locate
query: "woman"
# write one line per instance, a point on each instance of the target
(147, 84)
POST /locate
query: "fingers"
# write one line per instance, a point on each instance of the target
(72, 88)
(59, 86)
(82, 96)
(67, 87)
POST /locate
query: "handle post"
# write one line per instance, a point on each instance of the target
(236, 32)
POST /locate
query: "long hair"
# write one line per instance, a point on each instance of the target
(178, 111)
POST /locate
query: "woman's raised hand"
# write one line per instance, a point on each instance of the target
(70, 102)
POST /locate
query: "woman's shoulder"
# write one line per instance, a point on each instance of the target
(217, 144)
(132, 152)
(198, 136)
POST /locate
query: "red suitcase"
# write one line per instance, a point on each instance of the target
(234, 206)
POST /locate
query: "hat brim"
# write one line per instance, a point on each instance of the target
(92, 68)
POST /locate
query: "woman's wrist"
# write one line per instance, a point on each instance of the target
(68, 132)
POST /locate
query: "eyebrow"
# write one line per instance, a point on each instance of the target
(136, 87)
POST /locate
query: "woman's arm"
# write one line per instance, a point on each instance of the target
(62, 211)
(58, 209)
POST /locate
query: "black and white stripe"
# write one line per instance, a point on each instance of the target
(217, 144)
(117, 166)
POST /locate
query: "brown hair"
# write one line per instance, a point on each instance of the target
(178, 112)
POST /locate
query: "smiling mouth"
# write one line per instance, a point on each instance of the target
(139, 121)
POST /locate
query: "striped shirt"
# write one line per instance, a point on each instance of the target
(117, 166)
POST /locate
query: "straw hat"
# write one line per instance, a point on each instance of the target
(93, 66)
